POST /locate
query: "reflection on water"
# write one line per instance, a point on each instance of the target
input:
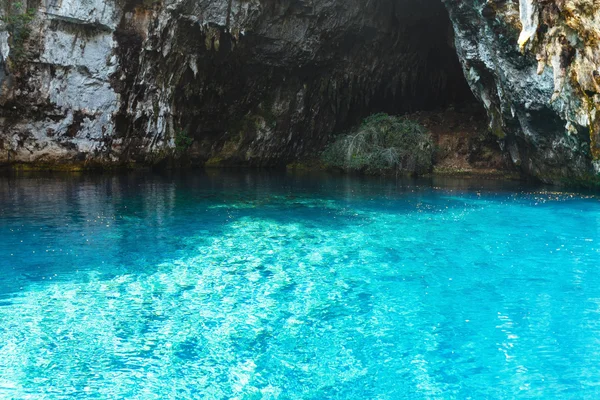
(261, 285)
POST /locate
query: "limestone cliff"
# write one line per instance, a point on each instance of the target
(220, 82)
(534, 65)
(266, 82)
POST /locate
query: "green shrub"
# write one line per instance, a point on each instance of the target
(383, 144)
(182, 140)
(18, 25)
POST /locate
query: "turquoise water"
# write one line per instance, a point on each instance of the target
(262, 286)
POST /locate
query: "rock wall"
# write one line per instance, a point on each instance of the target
(232, 82)
(534, 66)
(266, 82)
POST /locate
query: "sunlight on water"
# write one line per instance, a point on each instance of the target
(276, 287)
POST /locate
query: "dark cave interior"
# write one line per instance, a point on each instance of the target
(268, 98)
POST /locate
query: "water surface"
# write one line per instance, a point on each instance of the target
(266, 286)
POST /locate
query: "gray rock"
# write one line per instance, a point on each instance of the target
(266, 82)
(250, 82)
(527, 61)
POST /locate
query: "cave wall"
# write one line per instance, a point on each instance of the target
(534, 66)
(237, 82)
(266, 82)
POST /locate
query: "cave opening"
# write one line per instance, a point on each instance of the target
(425, 73)
(302, 75)
(422, 78)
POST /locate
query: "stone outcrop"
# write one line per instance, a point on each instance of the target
(238, 82)
(534, 65)
(266, 82)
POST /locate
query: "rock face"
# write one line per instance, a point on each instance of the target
(534, 66)
(215, 82)
(266, 82)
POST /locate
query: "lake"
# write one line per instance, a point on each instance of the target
(264, 285)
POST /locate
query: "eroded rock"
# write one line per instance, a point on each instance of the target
(265, 82)
(533, 64)
(250, 82)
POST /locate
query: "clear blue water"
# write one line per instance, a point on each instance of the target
(262, 286)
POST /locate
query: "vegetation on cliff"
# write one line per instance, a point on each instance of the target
(17, 23)
(383, 144)
(182, 141)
